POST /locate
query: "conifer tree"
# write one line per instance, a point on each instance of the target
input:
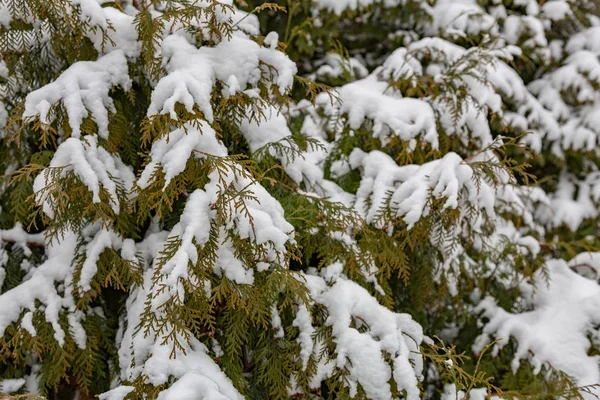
(220, 199)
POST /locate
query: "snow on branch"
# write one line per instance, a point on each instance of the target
(193, 86)
(92, 164)
(83, 89)
(408, 188)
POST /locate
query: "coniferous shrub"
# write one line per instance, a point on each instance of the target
(222, 199)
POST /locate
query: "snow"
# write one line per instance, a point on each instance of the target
(76, 330)
(411, 186)
(11, 385)
(117, 393)
(516, 27)
(556, 10)
(272, 129)
(193, 72)
(5, 16)
(586, 264)
(276, 323)
(564, 307)
(333, 65)
(102, 240)
(572, 202)
(259, 218)
(92, 164)
(83, 89)
(92, 11)
(403, 117)
(196, 373)
(27, 323)
(461, 18)
(172, 152)
(374, 99)
(232, 267)
(339, 6)
(306, 167)
(585, 40)
(305, 337)
(362, 353)
(18, 235)
(41, 287)
(122, 33)
(190, 86)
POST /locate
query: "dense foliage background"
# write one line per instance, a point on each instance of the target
(220, 199)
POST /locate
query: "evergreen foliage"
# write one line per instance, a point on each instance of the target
(221, 199)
